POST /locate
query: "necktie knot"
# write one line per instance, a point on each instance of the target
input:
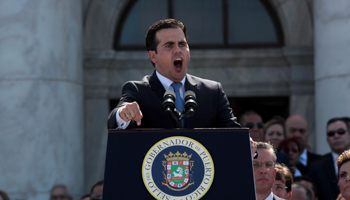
(176, 86)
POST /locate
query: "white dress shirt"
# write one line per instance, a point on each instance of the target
(167, 86)
(335, 156)
(297, 172)
(270, 197)
(303, 158)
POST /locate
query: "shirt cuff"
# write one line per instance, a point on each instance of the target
(120, 122)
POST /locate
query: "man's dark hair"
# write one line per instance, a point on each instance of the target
(151, 40)
(308, 179)
(247, 113)
(343, 119)
(283, 174)
(96, 184)
(308, 192)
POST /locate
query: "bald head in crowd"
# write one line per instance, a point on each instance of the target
(297, 126)
(59, 192)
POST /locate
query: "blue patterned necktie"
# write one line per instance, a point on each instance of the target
(179, 103)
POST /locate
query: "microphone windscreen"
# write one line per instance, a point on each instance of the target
(169, 92)
(190, 93)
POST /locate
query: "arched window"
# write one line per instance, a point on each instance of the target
(210, 24)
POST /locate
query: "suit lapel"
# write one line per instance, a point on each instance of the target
(156, 86)
(330, 171)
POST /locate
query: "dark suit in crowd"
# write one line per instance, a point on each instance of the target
(311, 157)
(213, 108)
(282, 158)
(322, 173)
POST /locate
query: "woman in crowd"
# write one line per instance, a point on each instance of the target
(3, 195)
(292, 148)
(343, 174)
(274, 131)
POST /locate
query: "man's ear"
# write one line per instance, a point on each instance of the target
(153, 56)
(274, 177)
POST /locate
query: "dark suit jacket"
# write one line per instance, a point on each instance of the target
(323, 174)
(213, 109)
(311, 157)
(282, 158)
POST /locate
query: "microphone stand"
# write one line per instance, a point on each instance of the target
(171, 113)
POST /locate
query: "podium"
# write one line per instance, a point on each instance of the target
(176, 164)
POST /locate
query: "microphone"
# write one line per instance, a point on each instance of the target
(169, 101)
(190, 104)
(169, 106)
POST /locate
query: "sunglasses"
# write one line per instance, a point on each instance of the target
(251, 124)
(339, 131)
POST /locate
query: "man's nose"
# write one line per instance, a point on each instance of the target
(177, 49)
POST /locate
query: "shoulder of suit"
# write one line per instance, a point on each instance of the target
(196, 80)
(144, 80)
(323, 159)
(310, 154)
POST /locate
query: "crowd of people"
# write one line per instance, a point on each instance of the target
(60, 192)
(304, 174)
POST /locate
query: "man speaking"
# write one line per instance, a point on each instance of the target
(141, 104)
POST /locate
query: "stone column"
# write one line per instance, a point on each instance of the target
(41, 97)
(332, 65)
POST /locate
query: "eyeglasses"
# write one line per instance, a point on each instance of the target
(97, 198)
(57, 197)
(268, 164)
(251, 124)
(339, 131)
(280, 187)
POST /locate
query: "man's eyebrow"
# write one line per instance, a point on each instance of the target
(170, 42)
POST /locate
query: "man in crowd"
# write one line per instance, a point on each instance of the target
(297, 126)
(59, 192)
(309, 184)
(97, 191)
(141, 102)
(253, 121)
(264, 171)
(324, 171)
(300, 192)
(282, 185)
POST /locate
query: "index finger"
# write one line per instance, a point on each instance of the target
(137, 114)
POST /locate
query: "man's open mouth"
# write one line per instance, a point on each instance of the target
(178, 63)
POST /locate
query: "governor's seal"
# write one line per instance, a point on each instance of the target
(178, 168)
